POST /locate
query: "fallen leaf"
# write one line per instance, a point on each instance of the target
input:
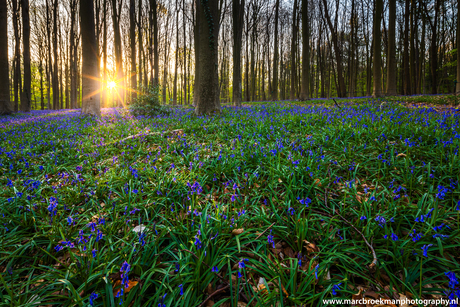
(236, 232)
(131, 284)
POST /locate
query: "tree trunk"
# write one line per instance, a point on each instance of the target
(407, 83)
(305, 93)
(26, 94)
(132, 37)
(208, 16)
(377, 92)
(458, 46)
(292, 95)
(17, 56)
(5, 104)
(434, 53)
(176, 57)
(155, 43)
(391, 66)
(118, 54)
(341, 91)
(90, 68)
(55, 55)
(237, 19)
(276, 54)
(141, 42)
(105, 94)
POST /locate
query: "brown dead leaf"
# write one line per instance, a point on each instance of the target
(401, 155)
(236, 232)
(317, 182)
(116, 289)
(279, 180)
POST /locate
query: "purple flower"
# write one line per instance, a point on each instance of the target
(270, 239)
(425, 249)
(336, 288)
(94, 252)
(394, 237)
(214, 269)
(92, 297)
(181, 287)
(316, 271)
(362, 218)
(177, 267)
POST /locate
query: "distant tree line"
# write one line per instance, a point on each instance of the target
(211, 51)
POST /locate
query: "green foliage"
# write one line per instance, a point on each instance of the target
(147, 102)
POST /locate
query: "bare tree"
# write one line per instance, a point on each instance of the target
(377, 48)
(26, 94)
(5, 104)
(391, 66)
(305, 94)
(90, 68)
(237, 20)
(207, 86)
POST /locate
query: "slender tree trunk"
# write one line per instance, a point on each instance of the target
(141, 42)
(90, 68)
(305, 93)
(293, 51)
(237, 22)
(118, 53)
(176, 57)
(5, 104)
(132, 37)
(377, 48)
(276, 54)
(341, 91)
(104, 93)
(391, 66)
(208, 16)
(42, 98)
(352, 65)
(155, 43)
(407, 83)
(458, 46)
(17, 55)
(434, 53)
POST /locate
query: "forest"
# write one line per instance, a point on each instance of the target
(274, 50)
(229, 153)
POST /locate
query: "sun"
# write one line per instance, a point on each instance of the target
(111, 84)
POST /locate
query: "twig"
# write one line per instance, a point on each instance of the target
(214, 293)
(374, 255)
(336, 104)
(145, 133)
(257, 238)
(217, 274)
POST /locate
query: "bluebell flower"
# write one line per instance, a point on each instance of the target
(94, 251)
(316, 271)
(270, 239)
(336, 288)
(92, 297)
(425, 249)
(181, 287)
(362, 218)
(161, 302)
(394, 237)
(177, 267)
(215, 269)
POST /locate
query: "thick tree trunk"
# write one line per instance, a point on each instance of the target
(391, 66)
(26, 96)
(5, 104)
(377, 92)
(132, 37)
(305, 93)
(208, 16)
(237, 20)
(90, 68)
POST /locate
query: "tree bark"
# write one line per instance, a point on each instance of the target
(391, 66)
(292, 95)
(5, 104)
(276, 54)
(17, 56)
(407, 81)
(341, 91)
(305, 93)
(458, 47)
(377, 92)
(132, 37)
(26, 94)
(55, 55)
(208, 16)
(118, 53)
(237, 19)
(90, 68)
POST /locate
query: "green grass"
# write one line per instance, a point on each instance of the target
(253, 169)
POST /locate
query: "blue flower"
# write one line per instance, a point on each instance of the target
(425, 249)
(181, 287)
(336, 288)
(94, 252)
(394, 237)
(270, 239)
(161, 302)
(316, 271)
(453, 281)
(177, 267)
(215, 269)
(362, 218)
(92, 297)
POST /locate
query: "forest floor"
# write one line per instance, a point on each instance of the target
(272, 204)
